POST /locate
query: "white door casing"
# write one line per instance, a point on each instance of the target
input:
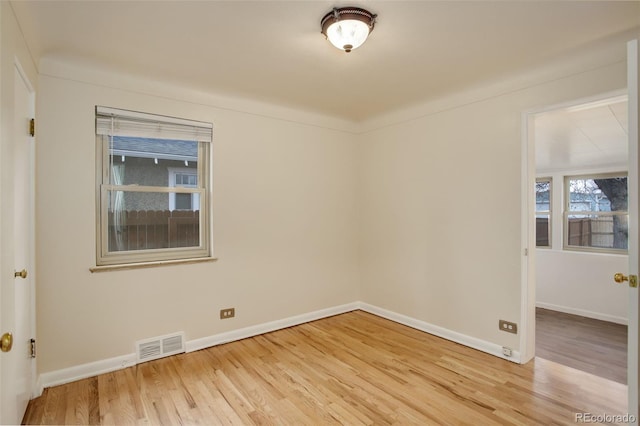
(633, 368)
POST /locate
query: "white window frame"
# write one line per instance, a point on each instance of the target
(547, 212)
(137, 124)
(567, 211)
(195, 197)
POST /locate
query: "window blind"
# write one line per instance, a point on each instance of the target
(120, 122)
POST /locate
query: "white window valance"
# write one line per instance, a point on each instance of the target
(120, 122)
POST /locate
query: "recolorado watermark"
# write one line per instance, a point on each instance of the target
(604, 418)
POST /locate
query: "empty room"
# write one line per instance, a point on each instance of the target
(299, 212)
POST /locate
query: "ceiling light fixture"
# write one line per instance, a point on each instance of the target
(347, 27)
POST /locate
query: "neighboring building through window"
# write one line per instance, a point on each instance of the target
(153, 187)
(183, 178)
(543, 212)
(596, 216)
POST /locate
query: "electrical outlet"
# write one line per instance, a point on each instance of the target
(506, 351)
(227, 313)
(509, 327)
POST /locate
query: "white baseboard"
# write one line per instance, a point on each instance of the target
(583, 313)
(463, 339)
(91, 369)
(243, 333)
(83, 371)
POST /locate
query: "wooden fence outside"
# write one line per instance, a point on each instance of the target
(542, 232)
(583, 232)
(586, 232)
(153, 229)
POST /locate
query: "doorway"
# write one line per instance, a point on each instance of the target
(570, 147)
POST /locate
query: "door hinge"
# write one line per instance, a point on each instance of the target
(32, 127)
(32, 347)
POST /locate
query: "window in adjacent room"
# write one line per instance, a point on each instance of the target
(543, 212)
(596, 216)
(153, 187)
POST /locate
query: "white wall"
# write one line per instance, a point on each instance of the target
(306, 215)
(579, 283)
(284, 218)
(440, 207)
(582, 284)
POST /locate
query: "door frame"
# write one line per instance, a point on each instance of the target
(528, 262)
(528, 179)
(633, 367)
(31, 220)
(13, 72)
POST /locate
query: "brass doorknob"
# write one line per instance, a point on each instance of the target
(620, 278)
(6, 342)
(21, 274)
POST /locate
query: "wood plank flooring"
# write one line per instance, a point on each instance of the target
(594, 346)
(354, 368)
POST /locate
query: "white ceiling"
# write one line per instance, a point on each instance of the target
(591, 136)
(273, 51)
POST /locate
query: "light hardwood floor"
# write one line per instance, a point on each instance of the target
(354, 368)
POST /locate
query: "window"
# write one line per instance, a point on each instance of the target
(152, 192)
(543, 212)
(184, 178)
(596, 216)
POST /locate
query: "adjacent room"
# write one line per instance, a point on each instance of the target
(582, 235)
(249, 212)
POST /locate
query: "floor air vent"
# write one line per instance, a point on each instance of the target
(159, 347)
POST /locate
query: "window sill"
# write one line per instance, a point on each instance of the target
(108, 268)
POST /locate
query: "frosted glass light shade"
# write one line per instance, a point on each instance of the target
(347, 28)
(348, 34)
